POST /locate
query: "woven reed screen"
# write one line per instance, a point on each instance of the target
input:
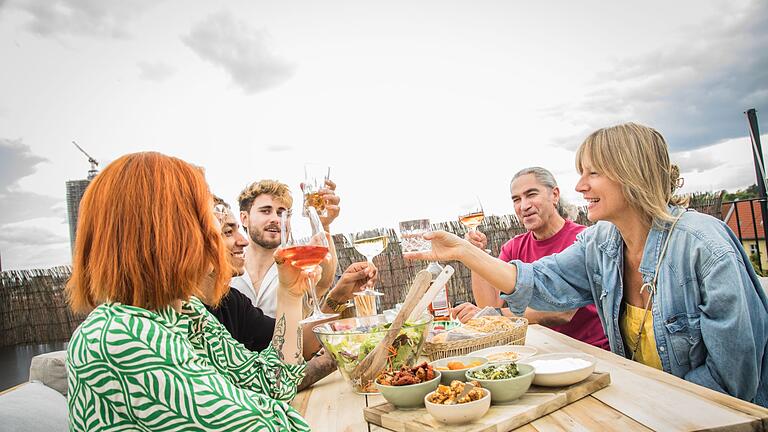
(33, 307)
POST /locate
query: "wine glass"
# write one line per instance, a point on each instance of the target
(369, 244)
(303, 242)
(472, 214)
(221, 212)
(412, 240)
(315, 176)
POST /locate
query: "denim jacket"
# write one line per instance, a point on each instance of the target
(710, 313)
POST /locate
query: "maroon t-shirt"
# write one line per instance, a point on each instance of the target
(585, 324)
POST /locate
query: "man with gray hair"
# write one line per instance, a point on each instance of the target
(536, 198)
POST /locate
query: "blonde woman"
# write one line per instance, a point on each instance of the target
(674, 289)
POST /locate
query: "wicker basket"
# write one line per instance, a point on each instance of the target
(435, 351)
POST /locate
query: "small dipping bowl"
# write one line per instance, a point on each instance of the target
(456, 374)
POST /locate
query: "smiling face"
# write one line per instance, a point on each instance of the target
(535, 204)
(263, 221)
(605, 198)
(235, 242)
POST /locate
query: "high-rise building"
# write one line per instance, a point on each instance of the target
(75, 191)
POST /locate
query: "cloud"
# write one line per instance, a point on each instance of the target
(695, 161)
(155, 71)
(240, 50)
(29, 235)
(16, 162)
(103, 18)
(694, 92)
(727, 165)
(37, 257)
(278, 148)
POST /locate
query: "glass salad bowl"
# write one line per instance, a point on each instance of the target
(350, 340)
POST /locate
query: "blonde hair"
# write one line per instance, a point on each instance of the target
(637, 157)
(277, 190)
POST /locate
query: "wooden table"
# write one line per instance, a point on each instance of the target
(639, 398)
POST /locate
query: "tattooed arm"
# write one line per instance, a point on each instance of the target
(317, 368)
(287, 339)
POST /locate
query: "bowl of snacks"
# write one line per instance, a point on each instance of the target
(407, 387)
(454, 368)
(505, 353)
(562, 369)
(506, 381)
(446, 405)
(350, 340)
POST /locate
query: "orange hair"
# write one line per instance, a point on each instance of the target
(147, 236)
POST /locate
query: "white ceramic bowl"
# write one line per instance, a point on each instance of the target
(459, 413)
(565, 378)
(522, 351)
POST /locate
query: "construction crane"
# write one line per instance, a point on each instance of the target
(94, 163)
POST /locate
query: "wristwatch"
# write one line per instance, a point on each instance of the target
(334, 305)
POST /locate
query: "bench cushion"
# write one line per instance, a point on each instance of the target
(50, 369)
(33, 407)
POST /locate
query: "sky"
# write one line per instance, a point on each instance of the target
(417, 106)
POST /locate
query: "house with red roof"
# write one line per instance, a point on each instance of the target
(746, 221)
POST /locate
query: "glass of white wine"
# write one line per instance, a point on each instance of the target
(369, 244)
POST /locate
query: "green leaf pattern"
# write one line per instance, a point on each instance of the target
(134, 369)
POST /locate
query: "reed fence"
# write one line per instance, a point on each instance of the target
(33, 308)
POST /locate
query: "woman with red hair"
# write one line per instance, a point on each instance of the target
(149, 354)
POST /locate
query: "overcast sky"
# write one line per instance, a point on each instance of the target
(416, 105)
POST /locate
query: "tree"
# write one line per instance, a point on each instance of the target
(756, 265)
(742, 194)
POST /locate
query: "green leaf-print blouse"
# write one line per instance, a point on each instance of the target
(134, 369)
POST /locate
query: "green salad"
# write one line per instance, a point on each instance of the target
(497, 372)
(349, 349)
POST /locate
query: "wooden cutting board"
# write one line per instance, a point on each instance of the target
(537, 402)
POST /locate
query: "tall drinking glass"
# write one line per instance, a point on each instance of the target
(315, 176)
(304, 244)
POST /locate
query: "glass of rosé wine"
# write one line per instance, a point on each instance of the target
(303, 242)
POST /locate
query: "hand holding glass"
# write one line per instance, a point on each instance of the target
(303, 242)
(368, 244)
(315, 177)
(412, 240)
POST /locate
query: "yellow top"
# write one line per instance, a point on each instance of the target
(629, 323)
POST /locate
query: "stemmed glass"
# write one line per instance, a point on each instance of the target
(412, 240)
(315, 176)
(369, 244)
(221, 212)
(303, 242)
(472, 214)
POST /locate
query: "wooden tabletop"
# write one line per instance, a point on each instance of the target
(639, 398)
